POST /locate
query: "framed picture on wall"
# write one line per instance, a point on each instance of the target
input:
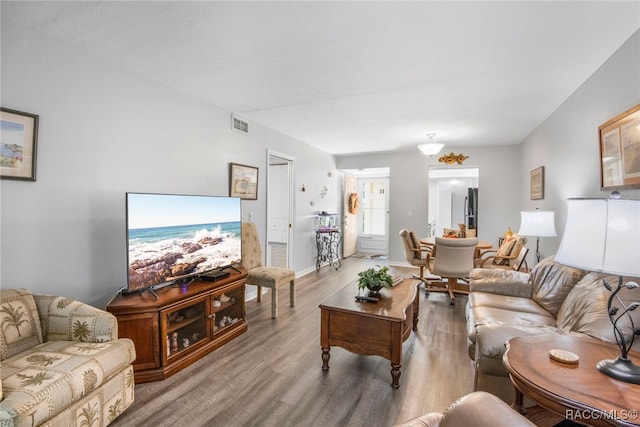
(537, 183)
(243, 181)
(620, 150)
(18, 142)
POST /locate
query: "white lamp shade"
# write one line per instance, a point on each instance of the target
(602, 235)
(430, 148)
(537, 223)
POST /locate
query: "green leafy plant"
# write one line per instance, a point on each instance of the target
(375, 279)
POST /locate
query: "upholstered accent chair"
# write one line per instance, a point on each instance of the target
(477, 409)
(62, 362)
(262, 276)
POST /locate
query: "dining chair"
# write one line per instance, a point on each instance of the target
(263, 276)
(519, 263)
(416, 254)
(453, 261)
(506, 254)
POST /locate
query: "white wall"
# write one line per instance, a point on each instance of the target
(105, 130)
(499, 187)
(567, 144)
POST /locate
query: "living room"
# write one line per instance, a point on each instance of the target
(106, 130)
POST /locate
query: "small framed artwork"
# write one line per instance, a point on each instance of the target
(18, 143)
(620, 151)
(537, 183)
(243, 181)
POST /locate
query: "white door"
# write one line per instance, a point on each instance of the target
(373, 215)
(350, 222)
(278, 203)
(279, 249)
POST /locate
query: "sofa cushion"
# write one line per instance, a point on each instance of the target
(491, 340)
(20, 324)
(43, 380)
(551, 283)
(505, 302)
(585, 308)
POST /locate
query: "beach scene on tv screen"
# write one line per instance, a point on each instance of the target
(175, 236)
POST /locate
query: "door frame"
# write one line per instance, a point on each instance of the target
(290, 244)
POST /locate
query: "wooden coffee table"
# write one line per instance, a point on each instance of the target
(368, 328)
(577, 392)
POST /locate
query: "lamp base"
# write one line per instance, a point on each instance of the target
(620, 369)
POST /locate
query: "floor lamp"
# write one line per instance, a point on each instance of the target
(537, 224)
(604, 235)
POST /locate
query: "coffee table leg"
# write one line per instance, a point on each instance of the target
(395, 375)
(325, 358)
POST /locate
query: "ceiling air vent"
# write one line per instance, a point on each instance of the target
(239, 124)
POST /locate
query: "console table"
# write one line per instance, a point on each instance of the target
(327, 243)
(577, 392)
(369, 328)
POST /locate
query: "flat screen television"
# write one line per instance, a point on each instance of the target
(172, 237)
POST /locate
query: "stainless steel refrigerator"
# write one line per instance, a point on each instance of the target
(471, 208)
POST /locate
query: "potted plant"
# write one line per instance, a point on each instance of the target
(374, 280)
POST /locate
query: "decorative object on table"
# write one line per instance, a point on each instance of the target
(174, 341)
(374, 280)
(18, 143)
(603, 235)
(243, 181)
(536, 183)
(431, 147)
(452, 158)
(620, 150)
(537, 224)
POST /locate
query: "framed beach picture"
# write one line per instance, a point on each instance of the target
(18, 142)
(620, 150)
(537, 183)
(243, 181)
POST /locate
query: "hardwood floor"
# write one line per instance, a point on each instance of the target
(272, 376)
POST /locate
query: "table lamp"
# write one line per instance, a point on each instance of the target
(604, 235)
(539, 224)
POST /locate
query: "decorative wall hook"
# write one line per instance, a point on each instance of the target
(452, 158)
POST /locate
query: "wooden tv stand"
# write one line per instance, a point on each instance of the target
(182, 324)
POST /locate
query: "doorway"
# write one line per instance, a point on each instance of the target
(279, 210)
(373, 215)
(453, 199)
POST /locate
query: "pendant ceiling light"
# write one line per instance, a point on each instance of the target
(431, 147)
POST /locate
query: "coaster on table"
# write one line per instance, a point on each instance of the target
(564, 356)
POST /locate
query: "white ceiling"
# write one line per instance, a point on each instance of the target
(353, 77)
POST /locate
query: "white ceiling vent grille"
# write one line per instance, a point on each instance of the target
(239, 125)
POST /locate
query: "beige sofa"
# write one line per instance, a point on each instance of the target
(62, 363)
(551, 299)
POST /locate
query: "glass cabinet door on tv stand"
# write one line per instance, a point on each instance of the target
(186, 327)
